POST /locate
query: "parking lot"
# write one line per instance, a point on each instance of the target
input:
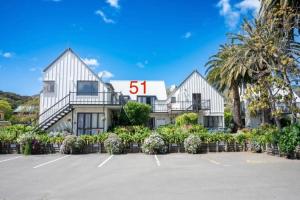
(140, 176)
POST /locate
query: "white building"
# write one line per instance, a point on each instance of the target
(74, 98)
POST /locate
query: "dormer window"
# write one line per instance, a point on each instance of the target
(87, 88)
(49, 87)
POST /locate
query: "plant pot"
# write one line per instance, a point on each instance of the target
(221, 146)
(275, 150)
(102, 148)
(269, 149)
(239, 147)
(204, 147)
(135, 148)
(297, 151)
(213, 147)
(174, 148)
(231, 146)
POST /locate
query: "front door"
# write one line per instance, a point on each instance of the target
(196, 101)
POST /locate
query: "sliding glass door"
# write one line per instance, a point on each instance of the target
(90, 123)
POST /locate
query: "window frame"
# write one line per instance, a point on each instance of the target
(91, 93)
(84, 130)
(173, 99)
(45, 88)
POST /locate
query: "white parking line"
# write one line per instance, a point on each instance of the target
(255, 161)
(51, 161)
(10, 159)
(212, 161)
(157, 161)
(105, 161)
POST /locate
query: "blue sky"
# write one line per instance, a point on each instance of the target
(130, 39)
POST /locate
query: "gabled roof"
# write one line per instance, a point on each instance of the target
(194, 71)
(153, 88)
(71, 51)
(25, 109)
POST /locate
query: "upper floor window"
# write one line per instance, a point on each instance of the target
(49, 87)
(126, 98)
(173, 99)
(146, 99)
(87, 88)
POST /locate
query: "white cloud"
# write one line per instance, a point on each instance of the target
(7, 54)
(92, 62)
(249, 5)
(113, 3)
(105, 74)
(104, 17)
(142, 64)
(232, 13)
(33, 69)
(187, 35)
(231, 17)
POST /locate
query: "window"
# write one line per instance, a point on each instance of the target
(126, 98)
(49, 87)
(90, 123)
(146, 99)
(213, 121)
(173, 99)
(87, 88)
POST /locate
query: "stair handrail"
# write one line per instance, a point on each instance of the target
(61, 100)
(53, 115)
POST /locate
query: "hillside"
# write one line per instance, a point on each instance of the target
(15, 99)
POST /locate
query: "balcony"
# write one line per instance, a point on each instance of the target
(181, 106)
(98, 98)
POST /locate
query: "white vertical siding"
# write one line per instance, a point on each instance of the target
(197, 84)
(66, 71)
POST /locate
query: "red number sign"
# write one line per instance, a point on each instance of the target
(134, 89)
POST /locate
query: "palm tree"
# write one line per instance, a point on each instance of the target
(225, 71)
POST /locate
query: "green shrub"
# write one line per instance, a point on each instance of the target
(228, 118)
(129, 134)
(192, 144)
(7, 136)
(154, 144)
(89, 139)
(26, 141)
(137, 113)
(101, 137)
(187, 119)
(72, 144)
(6, 108)
(113, 144)
(289, 139)
(204, 136)
(196, 128)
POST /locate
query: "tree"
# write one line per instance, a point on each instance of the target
(225, 71)
(137, 113)
(271, 57)
(6, 108)
(271, 8)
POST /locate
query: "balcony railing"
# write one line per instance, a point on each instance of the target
(96, 98)
(181, 106)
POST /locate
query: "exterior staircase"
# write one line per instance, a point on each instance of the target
(64, 106)
(56, 112)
